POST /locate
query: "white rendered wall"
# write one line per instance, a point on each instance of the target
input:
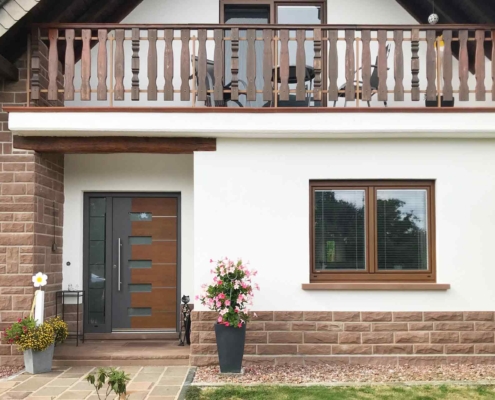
(125, 173)
(252, 201)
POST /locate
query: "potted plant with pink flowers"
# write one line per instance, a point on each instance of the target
(231, 295)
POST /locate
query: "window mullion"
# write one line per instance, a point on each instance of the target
(371, 221)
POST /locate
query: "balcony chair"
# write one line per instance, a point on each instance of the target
(210, 84)
(374, 80)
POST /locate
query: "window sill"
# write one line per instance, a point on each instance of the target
(375, 286)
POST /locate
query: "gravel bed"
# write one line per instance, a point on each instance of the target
(293, 374)
(7, 371)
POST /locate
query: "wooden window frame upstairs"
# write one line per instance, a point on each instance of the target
(371, 272)
(273, 7)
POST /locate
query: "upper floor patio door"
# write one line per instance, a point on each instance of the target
(288, 12)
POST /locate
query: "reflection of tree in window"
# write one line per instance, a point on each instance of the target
(401, 229)
(339, 230)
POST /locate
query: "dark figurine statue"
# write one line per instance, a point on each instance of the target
(185, 329)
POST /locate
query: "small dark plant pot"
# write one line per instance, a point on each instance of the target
(230, 344)
(443, 103)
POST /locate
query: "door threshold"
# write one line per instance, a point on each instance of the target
(133, 336)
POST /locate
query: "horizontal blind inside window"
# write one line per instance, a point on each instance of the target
(339, 230)
(402, 229)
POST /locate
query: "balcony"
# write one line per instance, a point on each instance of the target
(267, 67)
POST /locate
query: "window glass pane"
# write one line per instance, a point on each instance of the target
(97, 252)
(139, 264)
(139, 240)
(140, 216)
(96, 271)
(139, 312)
(339, 230)
(402, 229)
(97, 228)
(96, 276)
(139, 288)
(97, 207)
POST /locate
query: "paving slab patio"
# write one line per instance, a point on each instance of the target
(68, 383)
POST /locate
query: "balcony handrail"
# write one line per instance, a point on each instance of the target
(355, 27)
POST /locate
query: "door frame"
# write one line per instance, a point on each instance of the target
(107, 327)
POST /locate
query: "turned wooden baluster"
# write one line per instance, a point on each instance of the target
(86, 65)
(102, 65)
(463, 66)
(185, 66)
(135, 65)
(202, 94)
(251, 65)
(69, 64)
(448, 93)
(52, 65)
(350, 90)
(398, 66)
(169, 65)
(415, 94)
(479, 66)
(234, 64)
(152, 65)
(366, 68)
(119, 65)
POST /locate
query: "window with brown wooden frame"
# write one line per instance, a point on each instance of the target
(372, 231)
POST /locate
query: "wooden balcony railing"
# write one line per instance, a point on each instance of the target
(95, 65)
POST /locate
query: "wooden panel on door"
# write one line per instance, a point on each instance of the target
(153, 285)
(159, 207)
(159, 275)
(157, 320)
(158, 228)
(159, 299)
(157, 252)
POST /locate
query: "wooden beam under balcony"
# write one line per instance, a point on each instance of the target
(109, 144)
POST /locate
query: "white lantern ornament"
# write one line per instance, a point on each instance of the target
(433, 19)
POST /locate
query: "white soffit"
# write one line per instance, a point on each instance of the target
(255, 125)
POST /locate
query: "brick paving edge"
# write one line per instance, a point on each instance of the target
(187, 383)
(350, 384)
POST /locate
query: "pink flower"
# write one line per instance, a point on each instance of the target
(211, 260)
(227, 324)
(227, 303)
(244, 285)
(219, 282)
(197, 297)
(219, 320)
(221, 296)
(219, 304)
(256, 286)
(254, 272)
(239, 325)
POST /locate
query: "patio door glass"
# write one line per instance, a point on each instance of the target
(301, 14)
(241, 15)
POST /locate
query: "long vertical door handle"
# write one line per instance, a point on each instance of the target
(118, 266)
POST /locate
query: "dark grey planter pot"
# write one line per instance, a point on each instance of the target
(230, 344)
(38, 362)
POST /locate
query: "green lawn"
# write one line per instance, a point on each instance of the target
(344, 393)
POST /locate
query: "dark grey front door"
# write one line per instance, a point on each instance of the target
(131, 262)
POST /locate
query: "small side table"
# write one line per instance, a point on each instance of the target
(77, 294)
